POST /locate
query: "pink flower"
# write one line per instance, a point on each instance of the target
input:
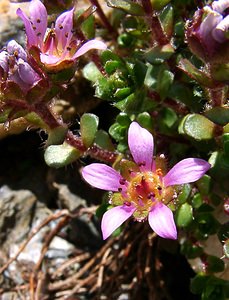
(14, 67)
(58, 44)
(142, 190)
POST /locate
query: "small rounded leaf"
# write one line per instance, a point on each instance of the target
(58, 156)
(91, 72)
(197, 127)
(184, 215)
(184, 194)
(56, 135)
(88, 127)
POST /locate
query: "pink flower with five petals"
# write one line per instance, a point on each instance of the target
(58, 47)
(144, 190)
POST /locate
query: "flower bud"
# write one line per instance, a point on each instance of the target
(21, 80)
(14, 68)
(206, 32)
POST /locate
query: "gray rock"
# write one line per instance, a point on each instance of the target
(16, 210)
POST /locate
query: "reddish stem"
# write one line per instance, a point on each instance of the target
(103, 17)
(43, 111)
(75, 141)
(97, 61)
(154, 23)
(94, 151)
(102, 154)
(216, 96)
(168, 102)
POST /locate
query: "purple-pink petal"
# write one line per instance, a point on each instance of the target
(13, 47)
(185, 171)
(161, 221)
(4, 61)
(209, 23)
(220, 5)
(114, 217)
(26, 73)
(63, 28)
(39, 19)
(141, 146)
(218, 33)
(90, 45)
(49, 59)
(102, 177)
(31, 35)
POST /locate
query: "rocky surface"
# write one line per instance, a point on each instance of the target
(10, 25)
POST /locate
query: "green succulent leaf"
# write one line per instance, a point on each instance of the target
(88, 128)
(197, 127)
(103, 140)
(91, 72)
(127, 5)
(184, 215)
(57, 156)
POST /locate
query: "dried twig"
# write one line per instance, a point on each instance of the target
(71, 281)
(35, 230)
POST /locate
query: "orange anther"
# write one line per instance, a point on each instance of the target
(159, 172)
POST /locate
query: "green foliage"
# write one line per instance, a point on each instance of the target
(191, 250)
(184, 193)
(158, 72)
(58, 156)
(88, 128)
(127, 5)
(184, 215)
(210, 287)
(197, 127)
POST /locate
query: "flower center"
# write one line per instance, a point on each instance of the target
(144, 190)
